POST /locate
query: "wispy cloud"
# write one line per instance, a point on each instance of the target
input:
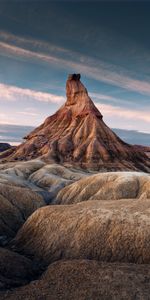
(13, 93)
(108, 98)
(27, 113)
(8, 50)
(35, 44)
(111, 111)
(6, 118)
(69, 60)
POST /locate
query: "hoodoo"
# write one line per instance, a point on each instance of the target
(76, 134)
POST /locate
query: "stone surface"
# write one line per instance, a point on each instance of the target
(15, 269)
(108, 221)
(86, 280)
(106, 186)
(54, 177)
(102, 230)
(16, 205)
(144, 149)
(38, 176)
(76, 134)
(26, 186)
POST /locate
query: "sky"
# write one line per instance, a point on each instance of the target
(108, 43)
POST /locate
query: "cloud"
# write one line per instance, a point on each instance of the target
(105, 97)
(111, 111)
(27, 113)
(21, 52)
(30, 49)
(13, 93)
(6, 119)
(102, 96)
(30, 43)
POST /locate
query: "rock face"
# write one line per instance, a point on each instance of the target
(145, 149)
(76, 134)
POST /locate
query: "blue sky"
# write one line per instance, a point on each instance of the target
(107, 42)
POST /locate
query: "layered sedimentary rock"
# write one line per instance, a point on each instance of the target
(76, 134)
(144, 149)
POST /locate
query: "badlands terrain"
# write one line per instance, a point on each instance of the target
(74, 210)
(68, 234)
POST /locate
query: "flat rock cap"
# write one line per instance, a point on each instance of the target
(74, 77)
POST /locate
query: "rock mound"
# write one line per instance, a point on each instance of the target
(44, 179)
(76, 134)
(15, 269)
(101, 230)
(84, 279)
(16, 205)
(106, 186)
(27, 186)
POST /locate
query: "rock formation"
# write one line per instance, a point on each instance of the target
(144, 149)
(21, 177)
(15, 269)
(106, 186)
(16, 205)
(86, 280)
(76, 134)
(98, 236)
(60, 185)
(110, 231)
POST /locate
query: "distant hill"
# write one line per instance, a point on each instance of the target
(4, 146)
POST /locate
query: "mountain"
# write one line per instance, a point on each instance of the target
(76, 134)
